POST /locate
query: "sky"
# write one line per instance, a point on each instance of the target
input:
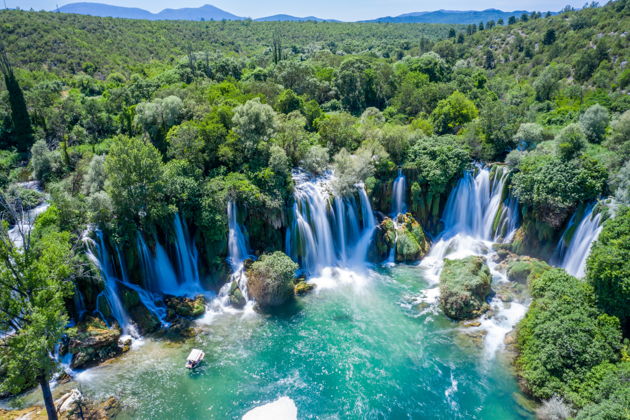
(331, 9)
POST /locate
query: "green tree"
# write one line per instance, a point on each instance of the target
(563, 336)
(135, 183)
(254, 122)
(156, 117)
(570, 142)
(594, 122)
(34, 282)
(452, 113)
(608, 267)
(22, 133)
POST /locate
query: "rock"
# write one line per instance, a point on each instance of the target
(93, 343)
(464, 287)
(302, 288)
(125, 344)
(472, 324)
(524, 269)
(411, 244)
(406, 235)
(270, 280)
(186, 307)
(69, 402)
(236, 296)
(144, 319)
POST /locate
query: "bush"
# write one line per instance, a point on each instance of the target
(464, 287)
(570, 142)
(315, 159)
(608, 267)
(43, 161)
(563, 337)
(438, 161)
(269, 280)
(594, 122)
(452, 113)
(528, 136)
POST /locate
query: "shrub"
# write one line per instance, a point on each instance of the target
(269, 280)
(594, 122)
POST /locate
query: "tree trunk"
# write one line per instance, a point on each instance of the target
(48, 399)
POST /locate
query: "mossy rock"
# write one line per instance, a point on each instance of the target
(525, 269)
(237, 299)
(412, 243)
(91, 343)
(103, 308)
(464, 287)
(302, 288)
(186, 307)
(144, 319)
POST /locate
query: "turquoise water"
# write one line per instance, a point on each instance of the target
(359, 347)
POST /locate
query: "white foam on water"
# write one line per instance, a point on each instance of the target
(281, 409)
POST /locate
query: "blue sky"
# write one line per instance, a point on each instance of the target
(340, 9)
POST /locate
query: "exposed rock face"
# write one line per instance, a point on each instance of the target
(186, 307)
(70, 406)
(93, 343)
(406, 235)
(464, 287)
(302, 288)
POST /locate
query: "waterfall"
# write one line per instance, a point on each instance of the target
(103, 261)
(474, 207)
(399, 190)
(573, 256)
(325, 230)
(237, 244)
(159, 274)
(475, 216)
(187, 258)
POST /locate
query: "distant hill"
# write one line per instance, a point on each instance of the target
(451, 16)
(289, 18)
(207, 12)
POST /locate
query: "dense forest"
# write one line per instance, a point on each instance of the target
(128, 125)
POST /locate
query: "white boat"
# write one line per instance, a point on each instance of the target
(194, 358)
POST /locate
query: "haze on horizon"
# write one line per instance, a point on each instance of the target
(348, 10)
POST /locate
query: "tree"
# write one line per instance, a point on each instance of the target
(550, 36)
(570, 141)
(156, 117)
(185, 142)
(594, 122)
(135, 184)
(355, 83)
(34, 281)
(563, 336)
(608, 267)
(453, 112)
(254, 122)
(489, 61)
(288, 102)
(22, 133)
(528, 136)
(619, 140)
(337, 131)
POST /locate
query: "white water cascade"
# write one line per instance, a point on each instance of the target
(238, 252)
(325, 230)
(399, 206)
(160, 274)
(103, 261)
(572, 256)
(399, 191)
(474, 218)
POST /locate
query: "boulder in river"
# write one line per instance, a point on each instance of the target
(464, 287)
(406, 234)
(93, 343)
(186, 307)
(270, 280)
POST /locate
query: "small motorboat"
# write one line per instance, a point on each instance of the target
(194, 358)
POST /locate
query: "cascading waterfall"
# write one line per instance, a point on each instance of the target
(103, 261)
(399, 206)
(325, 230)
(238, 252)
(399, 190)
(572, 256)
(160, 275)
(476, 216)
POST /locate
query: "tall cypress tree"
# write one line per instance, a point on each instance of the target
(22, 133)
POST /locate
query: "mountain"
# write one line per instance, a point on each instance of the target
(451, 16)
(207, 12)
(289, 18)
